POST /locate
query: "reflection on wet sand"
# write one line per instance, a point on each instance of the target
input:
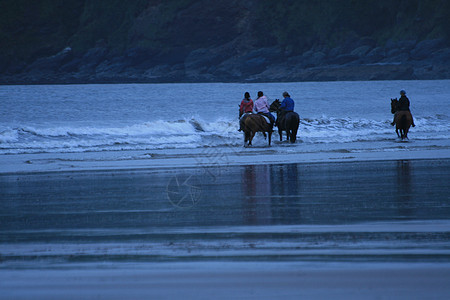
(342, 193)
(256, 187)
(286, 185)
(404, 189)
(271, 193)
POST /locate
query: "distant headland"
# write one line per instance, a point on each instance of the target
(117, 41)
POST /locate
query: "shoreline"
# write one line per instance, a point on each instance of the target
(194, 158)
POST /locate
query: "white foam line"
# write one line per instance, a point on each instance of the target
(377, 227)
(55, 162)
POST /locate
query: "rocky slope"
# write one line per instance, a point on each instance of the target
(75, 41)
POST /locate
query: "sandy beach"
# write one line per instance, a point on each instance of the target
(231, 280)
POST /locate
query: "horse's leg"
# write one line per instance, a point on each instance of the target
(406, 131)
(247, 138)
(252, 135)
(270, 137)
(294, 133)
(280, 133)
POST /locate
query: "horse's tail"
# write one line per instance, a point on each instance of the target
(242, 123)
(403, 122)
(292, 124)
(406, 120)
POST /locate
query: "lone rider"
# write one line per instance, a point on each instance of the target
(287, 105)
(245, 107)
(262, 107)
(403, 105)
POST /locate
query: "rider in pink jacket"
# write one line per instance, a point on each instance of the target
(261, 106)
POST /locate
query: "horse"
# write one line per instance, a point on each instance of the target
(251, 124)
(288, 122)
(403, 119)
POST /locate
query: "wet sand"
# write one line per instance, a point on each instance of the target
(367, 229)
(231, 281)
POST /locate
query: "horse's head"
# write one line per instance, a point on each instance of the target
(275, 105)
(394, 105)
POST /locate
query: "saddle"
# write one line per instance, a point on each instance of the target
(283, 115)
(265, 117)
(244, 115)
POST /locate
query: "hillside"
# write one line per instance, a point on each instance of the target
(83, 41)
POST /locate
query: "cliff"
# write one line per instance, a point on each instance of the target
(87, 41)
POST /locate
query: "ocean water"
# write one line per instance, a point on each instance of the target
(347, 116)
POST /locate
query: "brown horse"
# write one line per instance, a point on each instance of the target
(403, 119)
(251, 124)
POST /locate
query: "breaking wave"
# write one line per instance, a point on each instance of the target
(197, 133)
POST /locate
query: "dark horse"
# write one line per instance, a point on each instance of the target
(288, 122)
(251, 124)
(403, 119)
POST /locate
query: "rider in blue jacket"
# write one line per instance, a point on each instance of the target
(287, 105)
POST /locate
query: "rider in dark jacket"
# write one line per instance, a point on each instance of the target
(403, 105)
(287, 105)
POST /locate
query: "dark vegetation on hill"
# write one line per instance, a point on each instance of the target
(70, 41)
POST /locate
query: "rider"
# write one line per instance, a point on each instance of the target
(287, 105)
(262, 107)
(246, 106)
(403, 105)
